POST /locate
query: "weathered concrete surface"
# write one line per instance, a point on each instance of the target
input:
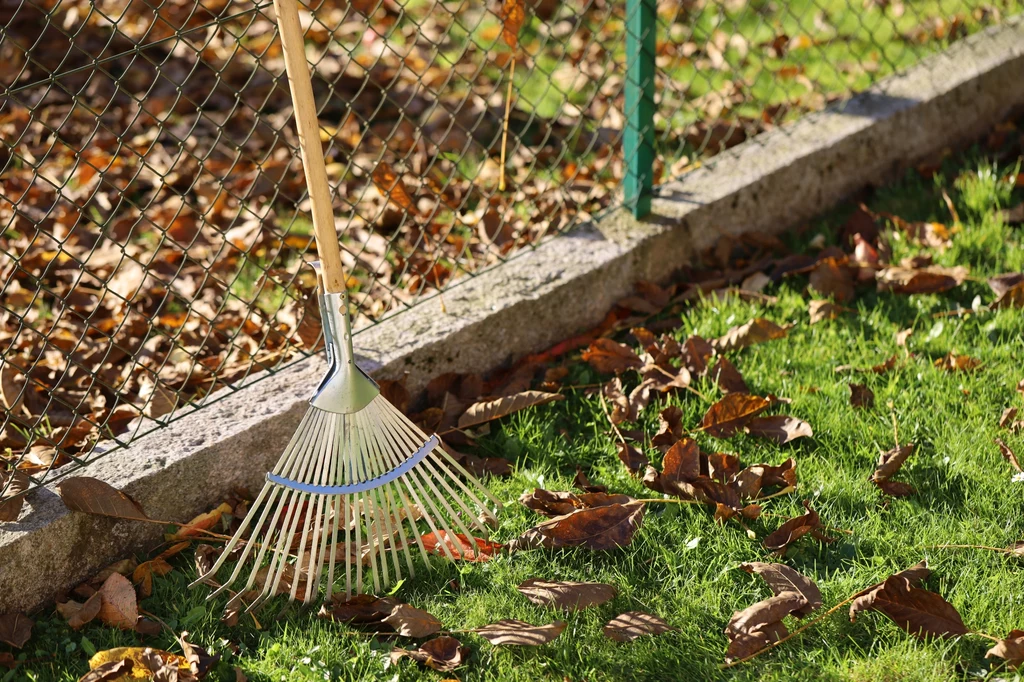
(543, 296)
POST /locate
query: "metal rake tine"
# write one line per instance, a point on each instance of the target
(429, 480)
(404, 422)
(286, 459)
(389, 505)
(331, 477)
(379, 518)
(411, 483)
(413, 434)
(279, 555)
(321, 476)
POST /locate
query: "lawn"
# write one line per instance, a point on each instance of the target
(683, 566)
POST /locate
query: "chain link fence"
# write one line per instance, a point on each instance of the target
(152, 202)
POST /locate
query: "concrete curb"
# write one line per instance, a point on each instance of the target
(539, 298)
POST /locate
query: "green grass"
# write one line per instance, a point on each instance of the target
(681, 565)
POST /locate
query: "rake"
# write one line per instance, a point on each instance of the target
(358, 478)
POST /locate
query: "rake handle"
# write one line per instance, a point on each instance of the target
(300, 84)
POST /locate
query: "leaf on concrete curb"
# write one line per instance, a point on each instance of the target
(919, 612)
(560, 503)
(110, 672)
(792, 530)
(779, 428)
(600, 528)
(609, 356)
(78, 614)
(760, 624)
(488, 410)
(15, 629)
(730, 414)
(12, 499)
(782, 578)
(441, 653)
(1008, 454)
(628, 626)
(478, 551)
(93, 496)
(861, 396)
(119, 606)
(518, 633)
(758, 330)
(410, 621)
(1010, 649)
(957, 363)
(570, 596)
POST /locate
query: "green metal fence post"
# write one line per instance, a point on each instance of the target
(638, 137)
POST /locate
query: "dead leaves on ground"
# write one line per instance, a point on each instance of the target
(919, 612)
(889, 463)
(628, 626)
(443, 654)
(570, 596)
(597, 528)
(518, 633)
(794, 529)
(486, 411)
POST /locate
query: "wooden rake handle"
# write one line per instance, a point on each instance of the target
(301, 87)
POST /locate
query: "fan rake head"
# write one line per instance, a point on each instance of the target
(357, 484)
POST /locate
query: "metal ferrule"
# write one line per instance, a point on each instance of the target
(345, 388)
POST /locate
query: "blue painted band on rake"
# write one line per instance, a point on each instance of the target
(362, 486)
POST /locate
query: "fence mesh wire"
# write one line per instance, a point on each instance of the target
(153, 212)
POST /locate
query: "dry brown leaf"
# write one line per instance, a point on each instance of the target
(821, 310)
(832, 277)
(782, 578)
(1010, 649)
(599, 528)
(488, 410)
(730, 414)
(634, 460)
(779, 428)
(15, 629)
(119, 606)
(861, 396)
(757, 330)
(695, 353)
(609, 356)
(12, 500)
(628, 626)
(391, 186)
(441, 653)
(1007, 417)
(513, 14)
(728, 377)
(670, 427)
(478, 550)
(360, 609)
(957, 363)
(560, 503)
(112, 671)
(760, 624)
(792, 530)
(928, 280)
(919, 612)
(889, 462)
(566, 595)
(1008, 454)
(518, 633)
(409, 621)
(77, 614)
(751, 480)
(582, 482)
(93, 496)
